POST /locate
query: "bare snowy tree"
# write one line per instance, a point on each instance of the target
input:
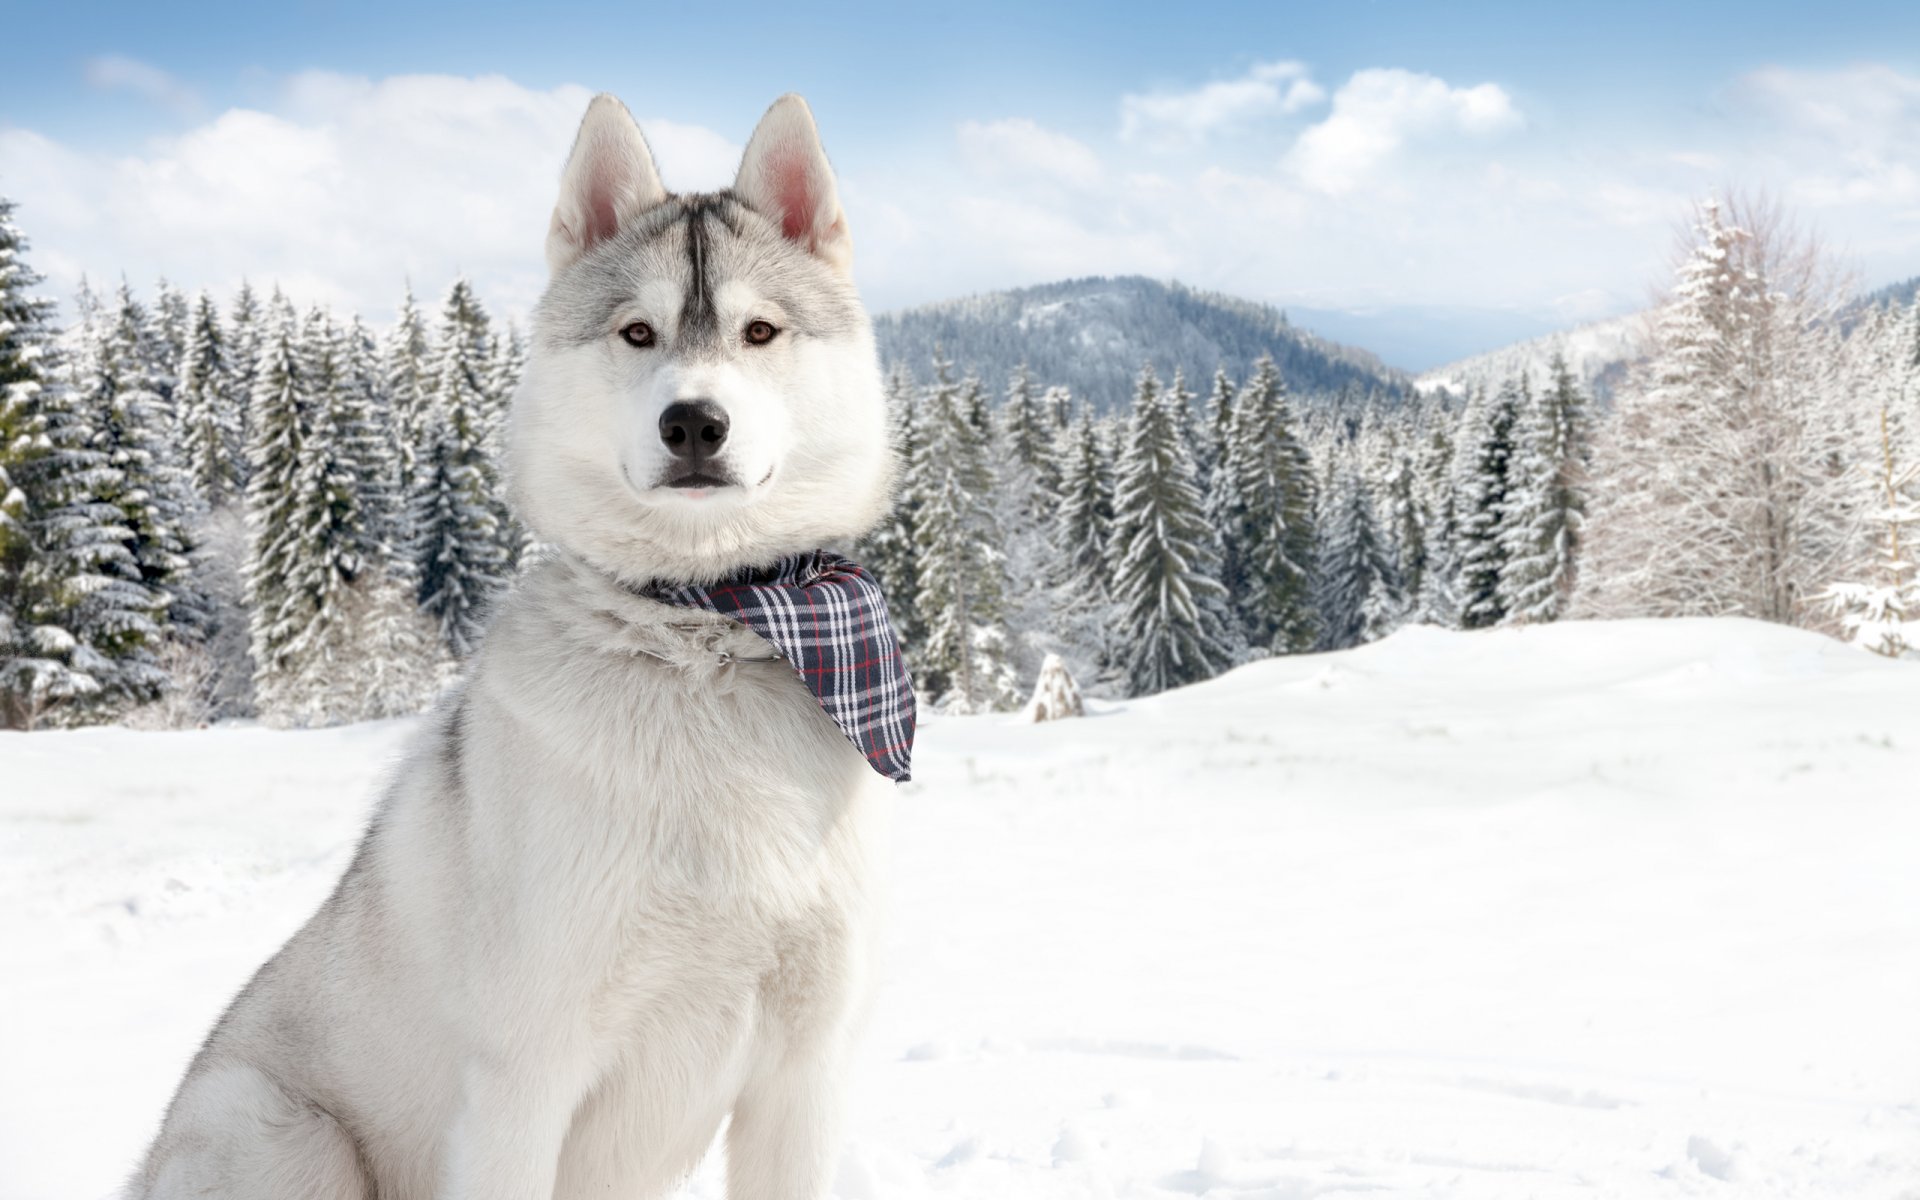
(1721, 480)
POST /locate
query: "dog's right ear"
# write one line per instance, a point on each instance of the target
(609, 178)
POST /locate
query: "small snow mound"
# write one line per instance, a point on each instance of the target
(1215, 1164)
(965, 1150)
(1072, 1146)
(1711, 1159)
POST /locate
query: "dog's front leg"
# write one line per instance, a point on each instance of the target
(786, 1130)
(505, 1144)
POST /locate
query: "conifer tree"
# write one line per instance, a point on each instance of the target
(405, 360)
(1173, 617)
(243, 342)
(121, 399)
(506, 360)
(1546, 504)
(164, 344)
(1024, 427)
(1084, 525)
(1436, 600)
(276, 561)
(1057, 403)
(1880, 609)
(1358, 602)
(457, 554)
(888, 550)
(1403, 531)
(1487, 440)
(1262, 505)
(369, 449)
(1216, 426)
(76, 625)
(210, 414)
(961, 583)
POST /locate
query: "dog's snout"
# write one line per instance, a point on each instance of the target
(693, 429)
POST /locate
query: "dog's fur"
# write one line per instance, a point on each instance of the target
(622, 888)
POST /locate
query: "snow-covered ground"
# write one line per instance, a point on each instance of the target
(1618, 910)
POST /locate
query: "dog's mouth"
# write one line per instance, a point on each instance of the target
(698, 479)
(693, 482)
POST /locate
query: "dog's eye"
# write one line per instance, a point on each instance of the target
(759, 333)
(638, 334)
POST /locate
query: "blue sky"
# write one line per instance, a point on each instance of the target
(1433, 177)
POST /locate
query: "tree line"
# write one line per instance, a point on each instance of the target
(255, 511)
(211, 512)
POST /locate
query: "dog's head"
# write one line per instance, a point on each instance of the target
(702, 392)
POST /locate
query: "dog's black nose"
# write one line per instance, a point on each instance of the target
(693, 429)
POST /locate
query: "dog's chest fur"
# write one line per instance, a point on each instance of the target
(672, 775)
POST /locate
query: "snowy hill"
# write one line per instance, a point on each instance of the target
(1599, 355)
(1620, 909)
(1092, 335)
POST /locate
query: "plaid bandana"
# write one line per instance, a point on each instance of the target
(828, 618)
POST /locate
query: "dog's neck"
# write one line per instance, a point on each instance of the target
(692, 639)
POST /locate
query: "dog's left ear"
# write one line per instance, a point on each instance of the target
(785, 176)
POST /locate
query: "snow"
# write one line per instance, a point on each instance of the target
(1623, 909)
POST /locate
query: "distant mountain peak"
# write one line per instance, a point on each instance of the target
(1092, 335)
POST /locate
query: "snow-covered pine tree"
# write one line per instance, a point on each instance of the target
(1437, 600)
(1023, 510)
(1174, 626)
(457, 553)
(1715, 484)
(1546, 503)
(165, 341)
(1403, 530)
(1057, 403)
(368, 447)
(243, 346)
(1215, 427)
(1025, 430)
(1179, 399)
(121, 398)
(1262, 506)
(278, 416)
(888, 549)
(68, 608)
(505, 361)
(209, 410)
(1080, 567)
(966, 663)
(1357, 593)
(406, 363)
(976, 407)
(1486, 459)
(1878, 599)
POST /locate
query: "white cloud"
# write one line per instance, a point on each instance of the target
(1379, 110)
(342, 192)
(116, 72)
(1020, 147)
(1862, 121)
(1269, 89)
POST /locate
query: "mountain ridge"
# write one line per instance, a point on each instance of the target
(1092, 334)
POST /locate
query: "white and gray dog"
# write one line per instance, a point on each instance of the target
(624, 887)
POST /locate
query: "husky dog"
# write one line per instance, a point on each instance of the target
(624, 886)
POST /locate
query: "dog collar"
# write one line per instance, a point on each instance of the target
(827, 617)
